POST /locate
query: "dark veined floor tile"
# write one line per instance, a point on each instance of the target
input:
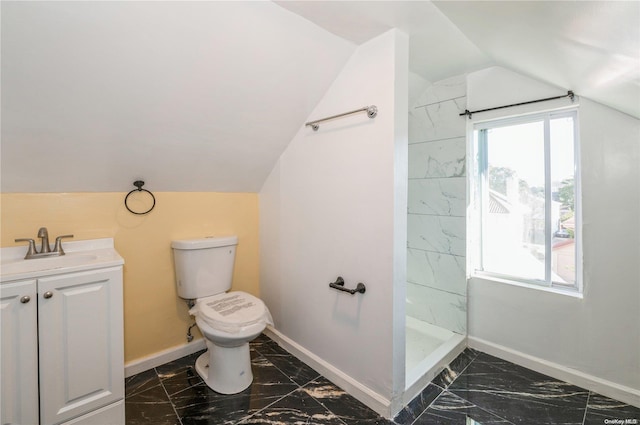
(260, 339)
(519, 395)
(346, 407)
(295, 369)
(455, 368)
(181, 381)
(141, 382)
(602, 410)
(418, 405)
(151, 406)
(296, 408)
(169, 369)
(298, 371)
(267, 346)
(201, 405)
(449, 409)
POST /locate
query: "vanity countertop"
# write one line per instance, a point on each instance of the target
(79, 256)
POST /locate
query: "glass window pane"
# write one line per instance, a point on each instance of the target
(563, 246)
(513, 232)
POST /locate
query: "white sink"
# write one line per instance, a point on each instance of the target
(46, 263)
(80, 255)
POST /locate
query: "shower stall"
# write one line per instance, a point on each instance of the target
(436, 295)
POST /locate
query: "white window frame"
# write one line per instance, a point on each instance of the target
(478, 185)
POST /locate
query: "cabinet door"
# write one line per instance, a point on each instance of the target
(19, 353)
(81, 343)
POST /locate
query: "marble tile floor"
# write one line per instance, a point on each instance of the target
(475, 389)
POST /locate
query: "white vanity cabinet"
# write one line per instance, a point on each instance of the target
(81, 364)
(19, 351)
(62, 347)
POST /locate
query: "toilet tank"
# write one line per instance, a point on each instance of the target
(204, 267)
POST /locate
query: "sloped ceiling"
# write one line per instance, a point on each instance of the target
(204, 96)
(438, 48)
(590, 47)
(188, 96)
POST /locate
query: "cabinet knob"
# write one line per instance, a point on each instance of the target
(25, 299)
(48, 294)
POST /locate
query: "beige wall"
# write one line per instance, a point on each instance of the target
(155, 319)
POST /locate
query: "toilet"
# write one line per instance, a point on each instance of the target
(227, 320)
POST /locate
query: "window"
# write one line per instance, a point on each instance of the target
(527, 203)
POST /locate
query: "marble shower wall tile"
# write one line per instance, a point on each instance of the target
(438, 121)
(437, 234)
(436, 270)
(436, 288)
(435, 114)
(419, 125)
(437, 307)
(443, 158)
(447, 196)
(443, 90)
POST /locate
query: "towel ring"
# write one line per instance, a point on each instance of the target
(139, 184)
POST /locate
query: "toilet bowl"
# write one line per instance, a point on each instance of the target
(228, 321)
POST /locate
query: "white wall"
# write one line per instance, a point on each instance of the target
(187, 96)
(436, 277)
(335, 205)
(598, 335)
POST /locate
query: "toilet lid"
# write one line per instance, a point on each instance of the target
(231, 311)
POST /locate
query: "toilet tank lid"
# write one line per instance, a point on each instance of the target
(207, 242)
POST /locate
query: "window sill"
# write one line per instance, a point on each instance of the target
(555, 290)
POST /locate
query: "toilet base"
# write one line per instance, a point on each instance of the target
(226, 370)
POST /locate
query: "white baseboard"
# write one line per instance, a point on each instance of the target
(364, 394)
(162, 357)
(601, 386)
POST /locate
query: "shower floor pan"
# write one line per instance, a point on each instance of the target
(429, 349)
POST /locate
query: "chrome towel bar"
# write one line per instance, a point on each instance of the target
(372, 111)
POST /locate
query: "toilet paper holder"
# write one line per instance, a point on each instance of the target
(339, 285)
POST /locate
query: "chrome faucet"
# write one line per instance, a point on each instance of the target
(44, 235)
(45, 249)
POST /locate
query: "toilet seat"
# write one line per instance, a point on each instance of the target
(231, 312)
